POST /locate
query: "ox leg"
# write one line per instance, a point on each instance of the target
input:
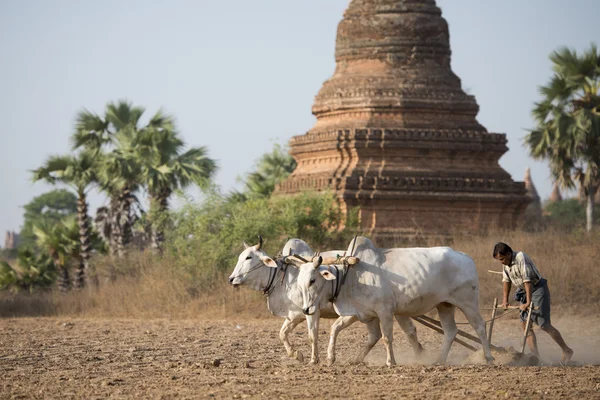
(287, 327)
(340, 324)
(386, 323)
(478, 324)
(313, 334)
(411, 332)
(446, 312)
(374, 336)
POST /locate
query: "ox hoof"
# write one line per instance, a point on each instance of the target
(489, 360)
(314, 362)
(439, 362)
(330, 361)
(298, 356)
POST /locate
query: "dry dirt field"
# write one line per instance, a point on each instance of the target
(242, 358)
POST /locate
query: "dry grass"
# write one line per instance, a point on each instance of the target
(145, 286)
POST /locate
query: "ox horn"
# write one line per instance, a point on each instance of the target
(260, 242)
(317, 263)
(304, 260)
(294, 260)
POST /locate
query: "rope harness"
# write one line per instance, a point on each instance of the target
(337, 283)
(318, 294)
(272, 274)
(250, 270)
(270, 287)
(340, 282)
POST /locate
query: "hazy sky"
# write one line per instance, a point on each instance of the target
(240, 75)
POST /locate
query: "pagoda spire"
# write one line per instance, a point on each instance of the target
(392, 59)
(531, 190)
(555, 195)
(396, 137)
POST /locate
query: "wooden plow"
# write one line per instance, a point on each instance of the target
(521, 356)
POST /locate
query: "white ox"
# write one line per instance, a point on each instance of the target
(403, 282)
(285, 299)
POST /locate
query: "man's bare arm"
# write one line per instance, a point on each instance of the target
(506, 291)
(528, 292)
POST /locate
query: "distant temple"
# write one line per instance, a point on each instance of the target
(11, 240)
(397, 137)
(555, 195)
(532, 218)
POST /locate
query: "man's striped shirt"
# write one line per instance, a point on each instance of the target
(520, 270)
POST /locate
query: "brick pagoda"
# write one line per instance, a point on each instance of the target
(397, 137)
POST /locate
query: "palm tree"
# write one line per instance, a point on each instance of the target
(31, 271)
(567, 134)
(167, 168)
(117, 137)
(79, 172)
(53, 239)
(119, 175)
(271, 169)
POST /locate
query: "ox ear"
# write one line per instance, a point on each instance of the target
(246, 245)
(317, 263)
(268, 261)
(327, 275)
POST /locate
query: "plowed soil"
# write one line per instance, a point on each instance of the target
(240, 358)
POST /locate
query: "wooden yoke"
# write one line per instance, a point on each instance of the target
(345, 260)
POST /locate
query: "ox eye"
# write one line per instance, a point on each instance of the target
(312, 281)
(249, 258)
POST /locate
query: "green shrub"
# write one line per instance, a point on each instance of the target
(30, 272)
(568, 215)
(209, 236)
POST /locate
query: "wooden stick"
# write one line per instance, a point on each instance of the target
(340, 260)
(495, 308)
(495, 272)
(304, 260)
(460, 332)
(508, 308)
(297, 259)
(439, 330)
(527, 325)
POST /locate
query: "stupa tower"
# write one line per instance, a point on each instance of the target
(397, 137)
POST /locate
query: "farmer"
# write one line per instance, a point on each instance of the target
(519, 270)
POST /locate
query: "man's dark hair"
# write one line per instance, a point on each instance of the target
(502, 249)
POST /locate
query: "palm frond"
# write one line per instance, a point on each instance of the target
(162, 121)
(123, 113)
(91, 131)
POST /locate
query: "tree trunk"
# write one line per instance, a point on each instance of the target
(64, 281)
(83, 270)
(122, 218)
(158, 219)
(589, 210)
(126, 200)
(80, 274)
(115, 227)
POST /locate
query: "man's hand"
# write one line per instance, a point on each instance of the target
(524, 307)
(504, 305)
